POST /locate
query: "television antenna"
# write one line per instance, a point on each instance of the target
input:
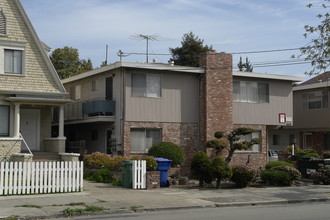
(152, 37)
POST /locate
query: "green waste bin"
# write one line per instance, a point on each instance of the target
(127, 166)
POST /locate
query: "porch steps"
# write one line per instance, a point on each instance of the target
(45, 156)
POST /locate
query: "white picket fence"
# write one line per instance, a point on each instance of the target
(139, 174)
(40, 177)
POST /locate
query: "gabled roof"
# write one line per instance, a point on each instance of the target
(40, 46)
(324, 77)
(319, 81)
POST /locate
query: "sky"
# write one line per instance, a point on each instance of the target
(231, 26)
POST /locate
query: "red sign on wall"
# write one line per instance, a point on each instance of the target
(282, 117)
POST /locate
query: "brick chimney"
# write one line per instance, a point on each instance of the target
(216, 89)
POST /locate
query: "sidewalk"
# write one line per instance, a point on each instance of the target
(121, 200)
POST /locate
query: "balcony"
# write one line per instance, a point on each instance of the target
(99, 107)
(89, 109)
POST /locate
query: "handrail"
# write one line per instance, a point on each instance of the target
(27, 146)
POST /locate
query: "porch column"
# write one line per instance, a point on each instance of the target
(17, 120)
(61, 122)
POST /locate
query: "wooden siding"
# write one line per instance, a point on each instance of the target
(178, 101)
(36, 75)
(309, 118)
(280, 101)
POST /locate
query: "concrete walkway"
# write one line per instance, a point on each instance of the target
(121, 200)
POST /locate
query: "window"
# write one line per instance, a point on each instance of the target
(4, 118)
(93, 86)
(249, 137)
(13, 61)
(3, 28)
(315, 100)
(146, 85)
(252, 92)
(143, 138)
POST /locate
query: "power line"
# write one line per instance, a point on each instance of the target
(267, 51)
(234, 53)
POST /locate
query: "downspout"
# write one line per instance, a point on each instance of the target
(199, 112)
(122, 116)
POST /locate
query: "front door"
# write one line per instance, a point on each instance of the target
(30, 128)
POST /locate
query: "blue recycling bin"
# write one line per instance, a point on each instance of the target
(163, 166)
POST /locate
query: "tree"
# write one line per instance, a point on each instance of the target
(67, 63)
(245, 67)
(233, 138)
(318, 50)
(220, 170)
(201, 167)
(104, 63)
(188, 54)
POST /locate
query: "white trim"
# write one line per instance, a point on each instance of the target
(10, 139)
(38, 100)
(12, 46)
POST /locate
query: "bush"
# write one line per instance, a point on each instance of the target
(281, 175)
(169, 151)
(243, 176)
(97, 160)
(276, 164)
(322, 175)
(201, 167)
(151, 163)
(220, 170)
(115, 162)
(275, 177)
(326, 154)
(295, 175)
(100, 176)
(304, 153)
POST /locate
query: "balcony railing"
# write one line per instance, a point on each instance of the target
(99, 107)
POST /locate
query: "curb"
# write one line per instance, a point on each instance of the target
(216, 205)
(279, 202)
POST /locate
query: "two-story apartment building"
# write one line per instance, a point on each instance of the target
(29, 87)
(311, 116)
(139, 104)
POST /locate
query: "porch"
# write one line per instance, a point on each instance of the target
(29, 126)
